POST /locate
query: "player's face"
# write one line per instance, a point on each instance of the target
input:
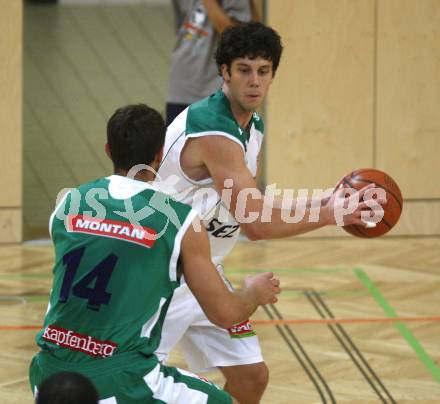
(248, 81)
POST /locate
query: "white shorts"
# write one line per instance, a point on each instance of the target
(205, 345)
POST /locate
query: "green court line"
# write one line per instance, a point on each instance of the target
(37, 298)
(27, 298)
(25, 275)
(402, 328)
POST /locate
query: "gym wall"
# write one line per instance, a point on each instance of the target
(10, 121)
(358, 87)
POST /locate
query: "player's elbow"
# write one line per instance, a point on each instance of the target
(253, 232)
(221, 319)
(226, 315)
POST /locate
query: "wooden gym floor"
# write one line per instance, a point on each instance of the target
(358, 321)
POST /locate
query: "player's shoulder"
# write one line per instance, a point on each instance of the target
(165, 204)
(79, 194)
(94, 184)
(164, 195)
(211, 116)
(173, 215)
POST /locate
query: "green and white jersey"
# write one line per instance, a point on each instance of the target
(117, 245)
(211, 116)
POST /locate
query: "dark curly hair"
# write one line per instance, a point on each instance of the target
(250, 40)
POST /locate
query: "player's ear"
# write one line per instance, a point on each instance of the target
(158, 157)
(224, 69)
(107, 151)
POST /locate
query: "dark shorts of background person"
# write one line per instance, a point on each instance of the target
(172, 110)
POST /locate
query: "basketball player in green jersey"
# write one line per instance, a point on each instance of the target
(211, 150)
(118, 259)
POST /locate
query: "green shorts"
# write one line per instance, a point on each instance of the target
(131, 378)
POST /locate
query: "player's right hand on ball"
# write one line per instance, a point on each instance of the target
(264, 287)
(346, 208)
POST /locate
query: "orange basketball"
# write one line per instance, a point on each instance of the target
(392, 208)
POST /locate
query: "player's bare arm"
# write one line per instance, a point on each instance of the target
(222, 159)
(223, 307)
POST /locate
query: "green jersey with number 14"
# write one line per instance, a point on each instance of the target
(117, 244)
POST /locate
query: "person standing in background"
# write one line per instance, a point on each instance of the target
(194, 72)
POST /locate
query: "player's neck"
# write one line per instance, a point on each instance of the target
(241, 115)
(143, 175)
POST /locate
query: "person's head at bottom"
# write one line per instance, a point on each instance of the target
(67, 388)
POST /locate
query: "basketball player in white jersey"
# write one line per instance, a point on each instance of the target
(211, 149)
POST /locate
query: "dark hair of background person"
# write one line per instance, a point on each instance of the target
(251, 40)
(135, 133)
(67, 388)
